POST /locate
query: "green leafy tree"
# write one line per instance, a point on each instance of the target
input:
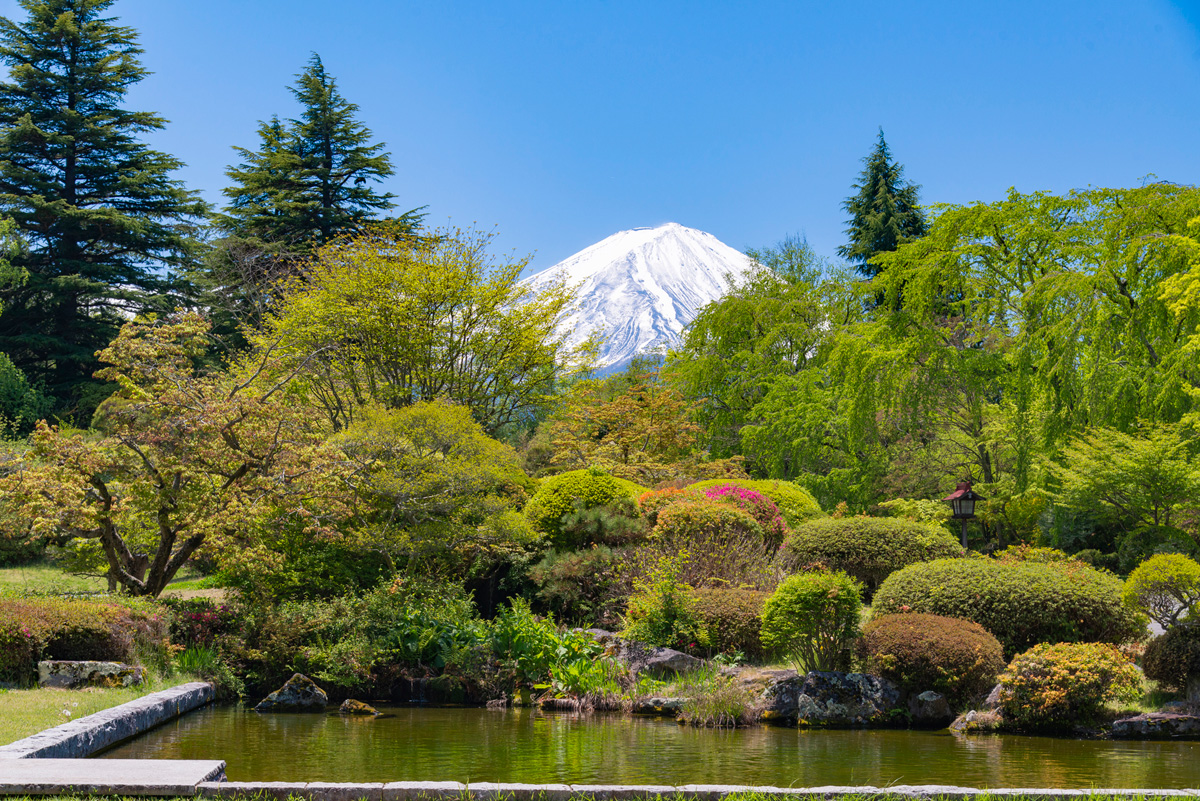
(180, 458)
(884, 213)
(395, 320)
(105, 223)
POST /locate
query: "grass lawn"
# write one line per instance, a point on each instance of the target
(26, 712)
(46, 577)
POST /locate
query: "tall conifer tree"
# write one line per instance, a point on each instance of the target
(104, 221)
(883, 214)
(309, 181)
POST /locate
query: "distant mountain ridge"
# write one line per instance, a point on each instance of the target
(640, 288)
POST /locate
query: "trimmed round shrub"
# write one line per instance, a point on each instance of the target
(654, 501)
(732, 619)
(956, 658)
(557, 497)
(869, 548)
(695, 520)
(1021, 603)
(1171, 658)
(754, 503)
(1165, 587)
(812, 619)
(1061, 684)
(795, 503)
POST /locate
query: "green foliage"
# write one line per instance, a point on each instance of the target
(1165, 587)
(105, 223)
(534, 651)
(615, 523)
(917, 510)
(432, 484)
(706, 520)
(34, 628)
(812, 619)
(957, 658)
(654, 501)
(1021, 603)
(884, 213)
(1135, 547)
(715, 700)
(557, 496)
(1131, 480)
(581, 587)
(869, 548)
(795, 503)
(1173, 657)
(661, 610)
(21, 404)
(732, 619)
(1063, 684)
(380, 317)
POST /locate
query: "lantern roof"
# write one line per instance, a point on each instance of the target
(963, 492)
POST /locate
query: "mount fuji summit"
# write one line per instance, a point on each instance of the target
(640, 288)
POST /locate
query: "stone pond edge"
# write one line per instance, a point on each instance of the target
(93, 733)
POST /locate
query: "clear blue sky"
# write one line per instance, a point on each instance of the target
(561, 122)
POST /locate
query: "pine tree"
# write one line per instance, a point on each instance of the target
(308, 182)
(104, 222)
(883, 214)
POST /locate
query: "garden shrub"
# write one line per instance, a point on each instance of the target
(654, 501)
(662, 610)
(1021, 603)
(868, 548)
(531, 649)
(580, 587)
(32, 629)
(199, 621)
(1174, 656)
(754, 503)
(705, 520)
(1165, 587)
(1143, 542)
(732, 619)
(795, 503)
(557, 496)
(615, 523)
(917, 652)
(1061, 684)
(812, 619)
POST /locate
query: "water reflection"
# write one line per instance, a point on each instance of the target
(521, 745)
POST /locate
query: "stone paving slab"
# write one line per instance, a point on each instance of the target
(152, 777)
(93, 733)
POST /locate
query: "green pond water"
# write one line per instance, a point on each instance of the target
(522, 745)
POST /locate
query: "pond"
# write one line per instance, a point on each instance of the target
(524, 745)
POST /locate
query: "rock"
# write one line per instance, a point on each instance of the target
(656, 705)
(978, 721)
(993, 698)
(599, 635)
(1157, 725)
(353, 707)
(930, 709)
(1177, 707)
(69, 675)
(642, 658)
(838, 700)
(298, 694)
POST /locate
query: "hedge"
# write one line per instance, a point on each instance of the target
(1021, 603)
(795, 503)
(1171, 658)
(732, 619)
(557, 496)
(1063, 684)
(918, 652)
(869, 548)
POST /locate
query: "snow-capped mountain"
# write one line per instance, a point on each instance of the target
(640, 288)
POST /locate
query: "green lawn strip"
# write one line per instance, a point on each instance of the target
(26, 712)
(465, 796)
(43, 577)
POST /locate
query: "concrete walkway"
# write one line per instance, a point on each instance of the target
(149, 777)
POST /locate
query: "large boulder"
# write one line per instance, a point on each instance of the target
(298, 694)
(70, 675)
(651, 660)
(930, 710)
(1157, 726)
(354, 707)
(833, 700)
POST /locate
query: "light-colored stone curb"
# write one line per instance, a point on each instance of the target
(93, 733)
(112, 777)
(489, 791)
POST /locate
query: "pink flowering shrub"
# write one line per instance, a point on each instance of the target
(754, 503)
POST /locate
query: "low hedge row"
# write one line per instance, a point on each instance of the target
(32, 629)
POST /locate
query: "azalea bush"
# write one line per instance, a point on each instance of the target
(1057, 685)
(754, 503)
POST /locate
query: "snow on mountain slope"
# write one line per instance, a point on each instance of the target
(640, 288)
